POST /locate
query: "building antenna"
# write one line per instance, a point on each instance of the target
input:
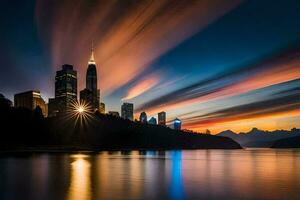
(92, 58)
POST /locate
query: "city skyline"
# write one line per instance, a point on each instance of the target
(214, 75)
(66, 97)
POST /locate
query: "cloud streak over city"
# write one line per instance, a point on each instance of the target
(128, 35)
(278, 69)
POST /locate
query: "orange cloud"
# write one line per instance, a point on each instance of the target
(141, 87)
(263, 121)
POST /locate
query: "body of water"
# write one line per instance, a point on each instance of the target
(196, 174)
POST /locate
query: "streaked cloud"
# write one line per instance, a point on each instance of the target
(256, 109)
(142, 86)
(276, 106)
(128, 35)
(278, 69)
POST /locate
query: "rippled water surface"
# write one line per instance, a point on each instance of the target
(197, 174)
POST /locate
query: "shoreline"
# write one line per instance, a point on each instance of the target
(96, 151)
(91, 151)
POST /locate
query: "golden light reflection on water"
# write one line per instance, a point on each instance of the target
(137, 174)
(118, 175)
(80, 183)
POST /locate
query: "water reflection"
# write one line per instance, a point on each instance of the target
(80, 183)
(204, 174)
(176, 176)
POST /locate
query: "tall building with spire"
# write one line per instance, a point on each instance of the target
(91, 94)
(91, 75)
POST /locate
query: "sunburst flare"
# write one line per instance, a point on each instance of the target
(80, 111)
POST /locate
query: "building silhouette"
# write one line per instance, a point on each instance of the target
(177, 124)
(65, 90)
(143, 118)
(91, 94)
(162, 118)
(127, 111)
(152, 120)
(86, 95)
(53, 109)
(102, 108)
(114, 113)
(30, 100)
(4, 101)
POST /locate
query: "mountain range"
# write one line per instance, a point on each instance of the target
(260, 138)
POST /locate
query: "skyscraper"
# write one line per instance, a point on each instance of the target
(65, 90)
(91, 94)
(30, 100)
(127, 111)
(162, 118)
(143, 118)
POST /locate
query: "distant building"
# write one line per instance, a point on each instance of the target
(65, 89)
(127, 111)
(30, 100)
(102, 108)
(114, 113)
(91, 94)
(143, 118)
(162, 118)
(177, 124)
(152, 120)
